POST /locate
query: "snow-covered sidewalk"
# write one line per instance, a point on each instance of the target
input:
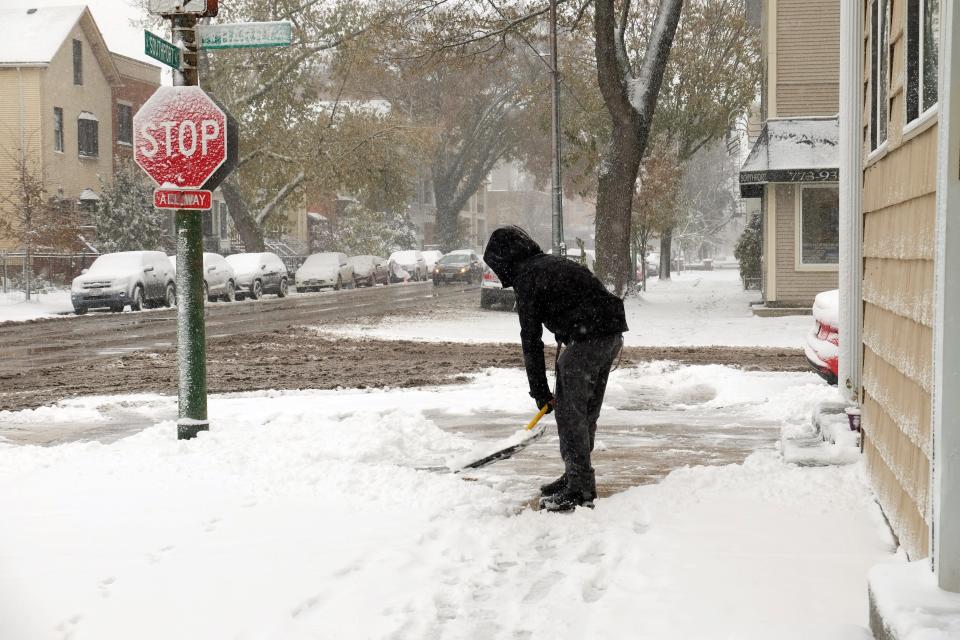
(696, 308)
(302, 515)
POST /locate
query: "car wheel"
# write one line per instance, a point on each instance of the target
(116, 308)
(339, 284)
(284, 288)
(170, 296)
(239, 296)
(231, 293)
(206, 293)
(256, 290)
(136, 300)
(80, 310)
(485, 300)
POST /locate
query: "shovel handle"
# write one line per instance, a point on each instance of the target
(537, 417)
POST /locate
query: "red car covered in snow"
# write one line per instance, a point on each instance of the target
(822, 348)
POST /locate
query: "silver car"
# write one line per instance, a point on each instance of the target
(325, 270)
(370, 270)
(411, 262)
(114, 280)
(259, 273)
(219, 281)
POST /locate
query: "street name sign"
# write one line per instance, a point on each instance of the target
(182, 199)
(180, 137)
(245, 35)
(171, 7)
(159, 49)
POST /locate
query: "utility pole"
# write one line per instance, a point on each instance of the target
(191, 336)
(559, 247)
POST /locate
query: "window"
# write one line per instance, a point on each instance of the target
(77, 62)
(58, 129)
(207, 222)
(124, 124)
(819, 226)
(878, 73)
(923, 45)
(88, 131)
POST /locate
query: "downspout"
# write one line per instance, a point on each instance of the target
(851, 193)
(945, 503)
(27, 266)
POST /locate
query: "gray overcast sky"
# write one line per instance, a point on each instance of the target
(112, 16)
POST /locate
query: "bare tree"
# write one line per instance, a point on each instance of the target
(630, 98)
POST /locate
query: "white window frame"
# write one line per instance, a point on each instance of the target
(117, 137)
(798, 263)
(879, 77)
(924, 116)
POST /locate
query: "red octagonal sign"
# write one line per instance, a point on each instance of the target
(180, 137)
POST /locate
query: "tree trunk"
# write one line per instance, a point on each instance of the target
(619, 163)
(447, 227)
(666, 246)
(250, 232)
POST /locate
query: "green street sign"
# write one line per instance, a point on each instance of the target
(245, 34)
(159, 49)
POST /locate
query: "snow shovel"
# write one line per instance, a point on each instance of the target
(503, 449)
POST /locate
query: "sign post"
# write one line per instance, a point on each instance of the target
(188, 144)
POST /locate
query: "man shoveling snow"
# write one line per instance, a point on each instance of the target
(565, 297)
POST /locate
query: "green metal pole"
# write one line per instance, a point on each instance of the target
(191, 330)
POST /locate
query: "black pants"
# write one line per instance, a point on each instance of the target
(582, 372)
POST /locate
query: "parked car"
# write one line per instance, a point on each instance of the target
(328, 269)
(431, 258)
(458, 267)
(573, 253)
(410, 261)
(493, 293)
(259, 273)
(823, 341)
(370, 270)
(219, 282)
(114, 280)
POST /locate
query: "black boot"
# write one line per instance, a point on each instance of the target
(566, 500)
(556, 486)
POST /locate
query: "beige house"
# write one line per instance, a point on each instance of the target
(792, 168)
(900, 267)
(56, 105)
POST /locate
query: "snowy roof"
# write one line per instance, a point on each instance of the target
(794, 150)
(33, 36)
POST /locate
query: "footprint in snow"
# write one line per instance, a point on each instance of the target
(541, 588)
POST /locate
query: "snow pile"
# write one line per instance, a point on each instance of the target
(302, 515)
(826, 308)
(696, 308)
(910, 604)
(15, 308)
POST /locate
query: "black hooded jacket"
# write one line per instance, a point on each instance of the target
(554, 292)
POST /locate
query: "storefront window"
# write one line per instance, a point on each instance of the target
(819, 225)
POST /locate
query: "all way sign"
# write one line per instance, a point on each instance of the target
(245, 34)
(180, 199)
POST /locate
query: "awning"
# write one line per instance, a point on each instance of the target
(792, 150)
(86, 115)
(88, 195)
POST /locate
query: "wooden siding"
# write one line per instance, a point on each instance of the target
(795, 287)
(808, 58)
(19, 125)
(899, 207)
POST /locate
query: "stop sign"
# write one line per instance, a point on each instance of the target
(180, 137)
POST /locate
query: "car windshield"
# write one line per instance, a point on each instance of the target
(405, 257)
(362, 261)
(322, 260)
(117, 263)
(457, 258)
(245, 261)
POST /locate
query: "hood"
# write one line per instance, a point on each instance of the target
(507, 248)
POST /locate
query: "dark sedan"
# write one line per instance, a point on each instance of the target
(458, 267)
